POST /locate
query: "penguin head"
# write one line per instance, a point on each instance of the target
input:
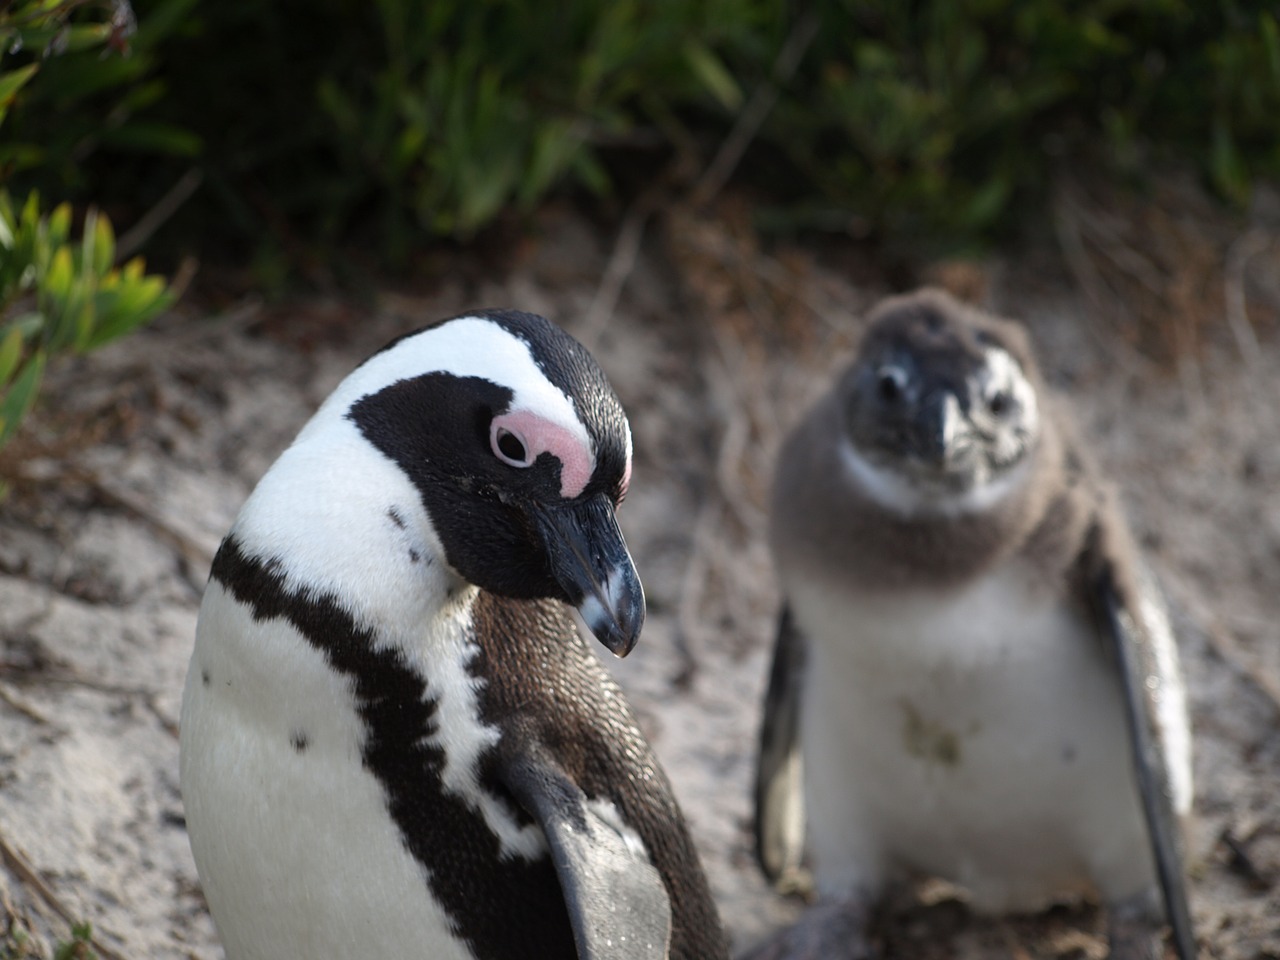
(520, 452)
(941, 400)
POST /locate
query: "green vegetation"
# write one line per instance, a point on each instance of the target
(313, 124)
(65, 296)
(81, 86)
(17, 944)
(404, 120)
(951, 117)
(304, 127)
(955, 116)
(57, 295)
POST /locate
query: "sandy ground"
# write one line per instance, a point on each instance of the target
(141, 457)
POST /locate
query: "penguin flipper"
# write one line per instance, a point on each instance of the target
(617, 902)
(1135, 623)
(779, 787)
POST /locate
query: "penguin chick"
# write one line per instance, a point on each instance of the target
(974, 676)
(394, 741)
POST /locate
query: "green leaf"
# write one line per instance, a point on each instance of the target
(19, 157)
(10, 353)
(83, 36)
(1270, 33)
(127, 300)
(8, 224)
(713, 74)
(14, 80)
(590, 172)
(60, 276)
(11, 83)
(1225, 166)
(147, 136)
(987, 204)
(19, 398)
(31, 211)
(98, 245)
(59, 225)
(553, 148)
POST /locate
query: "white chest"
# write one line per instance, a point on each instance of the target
(296, 849)
(296, 852)
(977, 735)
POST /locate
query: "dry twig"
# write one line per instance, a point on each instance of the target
(1223, 642)
(27, 873)
(22, 707)
(1068, 215)
(133, 238)
(753, 114)
(1253, 243)
(622, 262)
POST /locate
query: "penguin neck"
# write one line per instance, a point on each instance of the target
(335, 516)
(826, 525)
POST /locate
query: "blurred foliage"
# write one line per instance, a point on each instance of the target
(954, 115)
(61, 296)
(477, 106)
(322, 121)
(57, 295)
(17, 944)
(91, 105)
(402, 118)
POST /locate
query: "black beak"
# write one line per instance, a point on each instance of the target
(590, 562)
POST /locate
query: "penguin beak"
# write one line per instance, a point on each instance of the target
(590, 562)
(941, 429)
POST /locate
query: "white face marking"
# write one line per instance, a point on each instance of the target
(1005, 373)
(474, 347)
(467, 347)
(319, 510)
(898, 493)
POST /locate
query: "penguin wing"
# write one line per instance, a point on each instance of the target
(1134, 621)
(617, 902)
(779, 819)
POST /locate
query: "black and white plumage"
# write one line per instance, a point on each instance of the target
(974, 677)
(394, 741)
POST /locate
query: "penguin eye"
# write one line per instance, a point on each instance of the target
(510, 448)
(891, 383)
(999, 403)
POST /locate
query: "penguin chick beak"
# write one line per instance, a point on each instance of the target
(941, 432)
(590, 562)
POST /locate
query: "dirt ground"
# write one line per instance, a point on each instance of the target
(134, 468)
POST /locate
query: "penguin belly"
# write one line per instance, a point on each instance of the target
(976, 735)
(296, 850)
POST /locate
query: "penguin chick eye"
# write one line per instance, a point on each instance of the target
(1000, 403)
(891, 383)
(510, 448)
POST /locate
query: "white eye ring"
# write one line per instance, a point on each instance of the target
(509, 447)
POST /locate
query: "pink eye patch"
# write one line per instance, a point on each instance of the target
(538, 435)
